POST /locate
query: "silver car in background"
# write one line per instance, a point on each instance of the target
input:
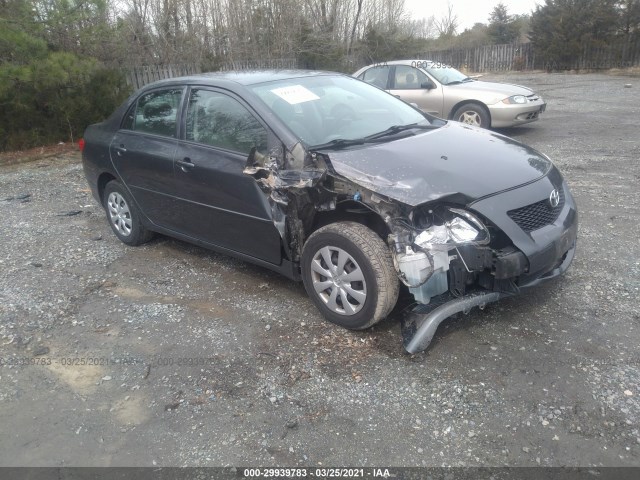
(443, 91)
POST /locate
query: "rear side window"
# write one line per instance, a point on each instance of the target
(155, 112)
(219, 120)
(377, 76)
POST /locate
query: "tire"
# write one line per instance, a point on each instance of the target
(370, 292)
(473, 114)
(123, 215)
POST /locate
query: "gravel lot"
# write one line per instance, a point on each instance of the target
(169, 354)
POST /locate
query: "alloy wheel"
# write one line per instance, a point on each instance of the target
(470, 118)
(120, 214)
(338, 280)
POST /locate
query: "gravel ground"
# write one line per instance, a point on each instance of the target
(168, 354)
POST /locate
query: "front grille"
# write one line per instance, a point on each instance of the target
(533, 97)
(537, 215)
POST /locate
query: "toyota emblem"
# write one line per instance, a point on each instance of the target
(554, 198)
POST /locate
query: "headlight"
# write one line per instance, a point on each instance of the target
(516, 99)
(462, 228)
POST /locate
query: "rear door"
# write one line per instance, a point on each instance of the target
(219, 204)
(143, 149)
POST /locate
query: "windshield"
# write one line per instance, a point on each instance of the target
(330, 108)
(445, 74)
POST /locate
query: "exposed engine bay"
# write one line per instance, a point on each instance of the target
(441, 252)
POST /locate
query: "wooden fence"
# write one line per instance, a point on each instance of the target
(266, 63)
(522, 56)
(620, 55)
(485, 58)
(139, 76)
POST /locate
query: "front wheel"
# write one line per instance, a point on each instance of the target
(123, 216)
(348, 272)
(473, 114)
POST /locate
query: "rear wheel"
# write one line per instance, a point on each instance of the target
(123, 215)
(473, 114)
(348, 272)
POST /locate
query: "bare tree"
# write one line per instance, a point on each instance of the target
(355, 26)
(447, 25)
(423, 28)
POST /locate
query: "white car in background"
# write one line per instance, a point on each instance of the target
(443, 91)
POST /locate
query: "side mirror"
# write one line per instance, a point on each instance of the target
(428, 85)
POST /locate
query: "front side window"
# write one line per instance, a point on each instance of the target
(218, 120)
(409, 78)
(155, 112)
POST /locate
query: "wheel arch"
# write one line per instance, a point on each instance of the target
(103, 179)
(472, 102)
(350, 211)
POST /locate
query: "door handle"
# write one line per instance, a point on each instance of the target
(120, 150)
(185, 164)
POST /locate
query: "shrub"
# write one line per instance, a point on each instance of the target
(53, 98)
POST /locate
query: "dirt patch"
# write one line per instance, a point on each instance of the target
(37, 153)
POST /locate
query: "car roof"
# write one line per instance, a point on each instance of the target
(244, 77)
(405, 62)
(418, 63)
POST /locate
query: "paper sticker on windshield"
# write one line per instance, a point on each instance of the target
(295, 94)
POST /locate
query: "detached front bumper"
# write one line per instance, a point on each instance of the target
(542, 255)
(419, 325)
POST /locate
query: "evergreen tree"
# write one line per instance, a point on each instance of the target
(503, 28)
(562, 30)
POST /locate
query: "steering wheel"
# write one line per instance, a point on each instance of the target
(342, 112)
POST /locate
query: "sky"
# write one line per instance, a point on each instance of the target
(467, 11)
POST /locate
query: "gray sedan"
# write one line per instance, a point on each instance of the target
(443, 91)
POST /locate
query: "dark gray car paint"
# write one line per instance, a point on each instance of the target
(454, 160)
(457, 163)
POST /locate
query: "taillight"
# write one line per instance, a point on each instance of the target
(81, 144)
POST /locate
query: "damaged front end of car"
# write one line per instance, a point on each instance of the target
(451, 263)
(449, 257)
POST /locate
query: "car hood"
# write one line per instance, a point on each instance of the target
(456, 160)
(491, 92)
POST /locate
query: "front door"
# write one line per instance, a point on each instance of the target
(218, 203)
(407, 83)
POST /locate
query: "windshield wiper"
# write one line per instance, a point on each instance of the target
(392, 130)
(344, 142)
(456, 82)
(339, 143)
